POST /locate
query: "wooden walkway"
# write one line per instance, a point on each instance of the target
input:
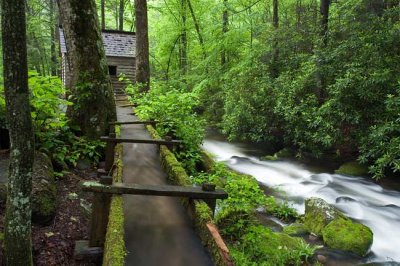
(157, 229)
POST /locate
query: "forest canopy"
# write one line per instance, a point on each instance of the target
(318, 76)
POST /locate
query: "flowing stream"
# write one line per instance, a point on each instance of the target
(357, 197)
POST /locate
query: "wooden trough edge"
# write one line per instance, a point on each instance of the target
(153, 190)
(199, 211)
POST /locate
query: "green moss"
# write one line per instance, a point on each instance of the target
(352, 168)
(234, 222)
(346, 235)
(44, 207)
(261, 246)
(295, 229)
(284, 153)
(114, 247)
(319, 214)
(269, 158)
(1, 236)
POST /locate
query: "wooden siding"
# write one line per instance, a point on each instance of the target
(125, 65)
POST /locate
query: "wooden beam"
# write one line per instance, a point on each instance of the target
(129, 105)
(144, 141)
(133, 123)
(154, 190)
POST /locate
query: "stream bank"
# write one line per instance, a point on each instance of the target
(358, 197)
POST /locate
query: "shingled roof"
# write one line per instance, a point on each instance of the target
(116, 43)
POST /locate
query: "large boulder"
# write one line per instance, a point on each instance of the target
(44, 201)
(319, 214)
(347, 235)
(352, 168)
(337, 230)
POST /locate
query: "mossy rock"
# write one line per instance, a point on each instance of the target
(347, 235)
(261, 246)
(295, 229)
(352, 168)
(285, 153)
(44, 200)
(269, 158)
(319, 214)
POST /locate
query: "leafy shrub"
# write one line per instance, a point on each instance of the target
(174, 111)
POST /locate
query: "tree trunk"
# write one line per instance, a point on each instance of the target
(91, 93)
(197, 27)
(275, 48)
(183, 40)
(225, 22)
(53, 60)
(18, 243)
(320, 76)
(324, 10)
(142, 45)
(103, 14)
(121, 14)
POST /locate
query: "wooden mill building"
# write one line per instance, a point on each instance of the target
(120, 49)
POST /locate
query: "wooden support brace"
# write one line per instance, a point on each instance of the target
(133, 123)
(110, 146)
(145, 141)
(99, 219)
(154, 190)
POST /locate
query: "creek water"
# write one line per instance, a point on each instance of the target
(358, 197)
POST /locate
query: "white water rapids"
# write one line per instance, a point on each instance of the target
(359, 198)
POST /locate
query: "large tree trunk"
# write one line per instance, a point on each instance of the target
(183, 41)
(121, 14)
(91, 93)
(320, 76)
(53, 28)
(225, 22)
(275, 48)
(197, 27)
(103, 14)
(18, 243)
(142, 45)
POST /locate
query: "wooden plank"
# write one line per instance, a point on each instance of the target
(154, 190)
(143, 141)
(99, 219)
(82, 251)
(129, 105)
(133, 123)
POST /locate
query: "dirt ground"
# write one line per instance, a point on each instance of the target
(54, 244)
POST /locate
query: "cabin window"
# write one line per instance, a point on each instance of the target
(112, 70)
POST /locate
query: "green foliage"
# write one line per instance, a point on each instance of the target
(174, 111)
(261, 246)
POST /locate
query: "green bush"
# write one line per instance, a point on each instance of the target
(174, 111)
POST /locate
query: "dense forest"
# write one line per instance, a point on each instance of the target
(318, 78)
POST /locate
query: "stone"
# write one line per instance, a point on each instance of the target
(285, 153)
(44, 192)
(344, 234)
(44, 201)
(295, 229)
(269, 158)
(352, 168)
(319, 214)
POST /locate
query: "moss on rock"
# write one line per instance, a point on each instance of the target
(269, 158)
(44, 192)
(319, 214)
(295, 229)
(262, 245)
(347, 235)
(284, 153)
(352, 168)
